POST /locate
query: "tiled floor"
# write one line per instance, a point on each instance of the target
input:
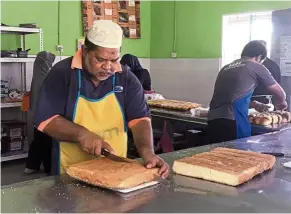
(13, 172)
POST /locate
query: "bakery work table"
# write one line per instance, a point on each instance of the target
(269, 192)
(202, 121)
(171, 122)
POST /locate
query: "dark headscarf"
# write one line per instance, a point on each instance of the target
(144, 77)
(41, 67)
(142, 74)
(131, 61)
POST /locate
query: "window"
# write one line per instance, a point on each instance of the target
(240, 29)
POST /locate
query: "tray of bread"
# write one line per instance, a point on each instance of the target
(173, 104)
(268, 118)
(226, 166)
(122, 177)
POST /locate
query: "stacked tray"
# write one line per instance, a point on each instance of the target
(173, 105)
(268, 118)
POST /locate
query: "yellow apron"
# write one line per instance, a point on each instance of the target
(102, 116)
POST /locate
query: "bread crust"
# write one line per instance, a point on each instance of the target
(110, 174)
(268, 118)
(173, 104)
(265, 121)
(228, 166)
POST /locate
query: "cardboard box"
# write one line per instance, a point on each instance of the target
(132, 25)
(108, 17)
(131, 12)
(132, 33)
(115, 13)
(114, 5)
(123, 24)
(11, 144)
(13, 128)
(122, 5)
(108, 5)
(16, 144)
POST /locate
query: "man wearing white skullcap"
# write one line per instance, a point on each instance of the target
(88, 102)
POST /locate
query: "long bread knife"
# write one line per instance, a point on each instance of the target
(113, 157)
(276, 154)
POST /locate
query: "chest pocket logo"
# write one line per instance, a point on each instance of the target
(118, 89)
(109, 133)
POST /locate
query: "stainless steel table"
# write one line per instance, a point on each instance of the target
(186, 117)
(269, 192)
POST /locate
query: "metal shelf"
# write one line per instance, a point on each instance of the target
(19, 30)
(17, 59)
(14, 156)
(11, 105)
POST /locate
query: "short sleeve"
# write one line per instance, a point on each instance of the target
(53, 96)
(264, 76)
(136, 107)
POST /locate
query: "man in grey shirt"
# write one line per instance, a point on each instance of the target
(228, 115)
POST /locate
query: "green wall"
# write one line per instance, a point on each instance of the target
(45, 15)
(199, 25)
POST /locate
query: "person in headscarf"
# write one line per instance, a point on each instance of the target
(142, 74)
(261, 92)
(40, 147)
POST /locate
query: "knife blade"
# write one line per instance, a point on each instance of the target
(113, 157)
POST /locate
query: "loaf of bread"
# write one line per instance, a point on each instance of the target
(226, 166)
(275, 118)
(280, 118)
(268, 118)
(106, 173)
(286, 116)
(173, 104)
(257, 119)
(251, 119)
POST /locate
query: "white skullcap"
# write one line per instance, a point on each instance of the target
(105, 33)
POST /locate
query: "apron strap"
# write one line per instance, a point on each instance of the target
(79, 81)
(113, 82)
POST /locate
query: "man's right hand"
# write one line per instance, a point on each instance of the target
(281, 106)
(93, 143)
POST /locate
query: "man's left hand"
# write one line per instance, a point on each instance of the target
(260, 107)
(151, 160)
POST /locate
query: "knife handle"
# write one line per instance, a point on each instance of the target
(276, 154)
(104, 152)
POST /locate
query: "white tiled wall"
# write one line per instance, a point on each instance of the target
(185, 79)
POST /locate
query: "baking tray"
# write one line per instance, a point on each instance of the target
(120, 190)
(139, 187)
(287, 164)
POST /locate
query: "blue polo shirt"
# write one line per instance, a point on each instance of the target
(60, 89)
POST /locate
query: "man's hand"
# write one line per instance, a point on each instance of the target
(93, 143)
(281, 106)
(151, 160)
(260, 107)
